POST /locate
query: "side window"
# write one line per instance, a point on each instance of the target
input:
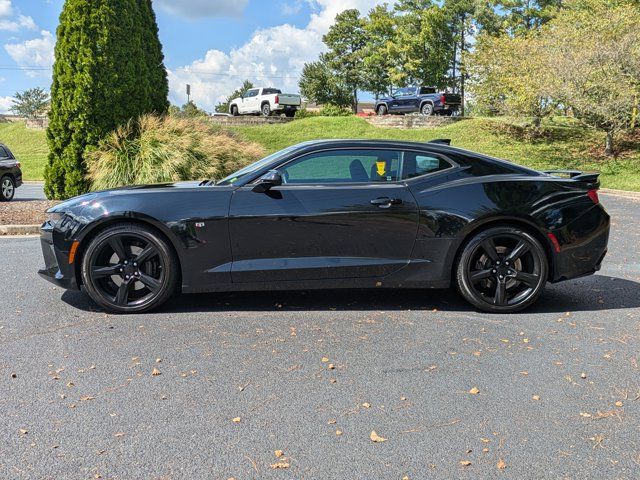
(3, 153)
(251, 93)
(344, 166)
(418, 164)
(427, 90)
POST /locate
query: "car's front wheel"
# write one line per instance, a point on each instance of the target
(7, 188)
(129, 268)
(502, 270)
(234, 111)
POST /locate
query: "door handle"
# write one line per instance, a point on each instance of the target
(386, 202)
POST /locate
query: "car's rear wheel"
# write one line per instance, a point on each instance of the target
(129, 268)
(502, 270)
(382, 110)
(426, 109)
(266, 110)
(7, 188)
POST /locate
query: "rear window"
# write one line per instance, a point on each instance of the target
(271, 91)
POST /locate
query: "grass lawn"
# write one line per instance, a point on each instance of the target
(28, 145)
(566, 144)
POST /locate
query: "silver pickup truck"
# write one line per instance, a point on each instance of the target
(265, 102)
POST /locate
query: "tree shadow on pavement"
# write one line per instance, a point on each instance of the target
(594, 293)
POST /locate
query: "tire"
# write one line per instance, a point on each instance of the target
(426, 109)
(234, 110)
(502, 270)
(141, 281)
(7, 188)
(266, 110)
(382, 110)
(290, 113)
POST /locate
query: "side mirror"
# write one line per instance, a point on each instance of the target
(271, 179)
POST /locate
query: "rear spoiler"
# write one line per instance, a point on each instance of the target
(577, 175)
(441, 141)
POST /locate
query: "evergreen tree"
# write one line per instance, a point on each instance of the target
(108, 69)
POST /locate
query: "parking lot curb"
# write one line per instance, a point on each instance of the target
(19, 229)
(621, 193)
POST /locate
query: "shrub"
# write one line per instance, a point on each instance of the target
(330, 110)
(157, 149)
(304, 113)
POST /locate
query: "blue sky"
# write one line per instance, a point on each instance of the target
(211, 44)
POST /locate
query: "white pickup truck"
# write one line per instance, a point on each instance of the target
(265, 101)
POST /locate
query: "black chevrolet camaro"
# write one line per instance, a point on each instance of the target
(335, 214)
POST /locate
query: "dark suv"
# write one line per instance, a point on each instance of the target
(10, 174)
(424, 100)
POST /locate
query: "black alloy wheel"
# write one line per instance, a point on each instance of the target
(129, 269)
(502, 270)
(7, 188)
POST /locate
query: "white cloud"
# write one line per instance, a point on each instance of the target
(203, 8)
(17, 24)
(37, 52)
(272, 57)
(6, 9)
(5, 104)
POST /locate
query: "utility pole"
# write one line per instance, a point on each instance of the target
(188, 93)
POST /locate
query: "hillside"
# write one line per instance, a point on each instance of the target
(564, 144)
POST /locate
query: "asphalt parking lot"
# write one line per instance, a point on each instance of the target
(212, 386)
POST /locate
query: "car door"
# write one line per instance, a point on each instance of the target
(408, 101)
(248, 101)
(339, 214)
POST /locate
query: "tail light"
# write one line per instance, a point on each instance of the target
(277, 99)
(18, 164)
(442, 100)
(593, 195)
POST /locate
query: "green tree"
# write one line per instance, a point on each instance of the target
(378, 60)
(593, 52)
(345, 41)
(108, 69)
(188, 110)
(522, 16)
(422, 47)
(31, 103)
(223, 107)
(318, 84)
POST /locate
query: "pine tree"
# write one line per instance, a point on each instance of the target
(108, 69)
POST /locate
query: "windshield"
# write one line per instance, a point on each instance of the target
(254, 167)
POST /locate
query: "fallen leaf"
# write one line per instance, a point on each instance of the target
(24, 431)
(465, 463)
(525, 340)
(331, 422)
(366, 405)
(331, 366)
(585, 414)
(618, 403)
(236, 420)
(118, 435)
(158, 360)
(485, 450)
(474, 391)
(338, 432)
(279, 453)
(280, 465)
(536, 397)
(501, 465)
(376, 438)
(583, 375)
(325, 359)
(70, 384)
(155, 372)
(87, 398)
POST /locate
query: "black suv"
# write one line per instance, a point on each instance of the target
(10, 174)
(424, 100)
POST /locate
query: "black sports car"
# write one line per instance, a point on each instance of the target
(10, 174)
(335, 214)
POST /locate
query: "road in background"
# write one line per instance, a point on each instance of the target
(553, 392)
(30, 191)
